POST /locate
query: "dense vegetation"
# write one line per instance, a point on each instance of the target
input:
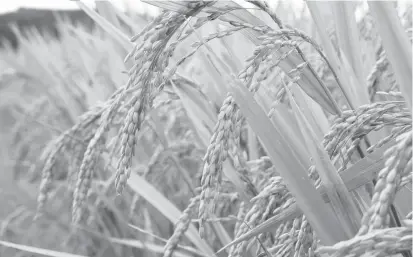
(43, 21)
(212, 129)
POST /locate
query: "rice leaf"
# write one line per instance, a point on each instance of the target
(168, 209)
(111, 30)
(288, 128)
(355, 177)
(294, 174)
(167, 5)
(396, 44)
(155, 248)
(308, 81)
(203, 120)
(37, 250)
(312, 112)
(341, 201)
(345, 76)
(252, 145)
(216, 89)
(158, 127)
(200, 115)
(282, 125)
(106, 10)
(363, 171)
(290, 213)
(197, 110)
(348, 37)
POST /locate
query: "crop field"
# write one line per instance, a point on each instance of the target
(209, 129)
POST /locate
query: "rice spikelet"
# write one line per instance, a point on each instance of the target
(389, 179)
(181, 227)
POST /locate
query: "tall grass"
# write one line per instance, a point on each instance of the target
(218, 129)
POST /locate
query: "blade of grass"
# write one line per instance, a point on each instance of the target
(294, 174)
(200, 116)
(343, 205)
(115, 33)
(168, 209)
(203, 120)
(134, 25)
(344, 79)
(37, 250)
(312, 112)
(353, 179)
(290, 213)
(365, 170)
(105, 9)
(284, 126)
(216, 89)
(308, 81)
(155, 248)
(198, 112)
(395, 43)
(348, 37)
(158, 127)
(253, 152)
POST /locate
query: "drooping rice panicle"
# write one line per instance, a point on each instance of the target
(365, 118)
(398, 165)
(214, 158)
(304, 239)
(83, 183)
(59, 145)
(381, 242)
(180, 227)
(240, 217)
(229, 111)
(161, 107)
(148, 77)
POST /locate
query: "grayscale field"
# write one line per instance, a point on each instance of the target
(207, 128)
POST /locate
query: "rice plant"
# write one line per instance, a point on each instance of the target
(217, 128)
